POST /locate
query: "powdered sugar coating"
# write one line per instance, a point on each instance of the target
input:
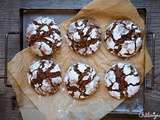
(43, 36)
(84, 36)
(44, 76)
(81, 80)
(123, 38)
(122, 80)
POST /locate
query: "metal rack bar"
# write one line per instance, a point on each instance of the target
(153, 45)
(6, 57)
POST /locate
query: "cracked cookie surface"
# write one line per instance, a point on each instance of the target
(44, 76)
(81, 80)
(43, 36)
(84, 36)
(123, 38)
(122, 80)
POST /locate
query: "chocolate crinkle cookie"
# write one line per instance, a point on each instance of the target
(44, 76)
(43, 36)
(81, 80)
(122, 80)
(84, 36)
(123, 38)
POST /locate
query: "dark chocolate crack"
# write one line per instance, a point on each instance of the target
(81, 83)
(83, 43)
(32, 38)
(120, 79)
(47, 75)
(127, 37)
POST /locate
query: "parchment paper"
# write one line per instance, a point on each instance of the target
(28, 110)
(61, 106)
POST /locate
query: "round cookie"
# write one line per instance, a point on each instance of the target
(122, 80)
(81, 80)
(43, 36)
(123, 38)
(84, 36)
(44, 76)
